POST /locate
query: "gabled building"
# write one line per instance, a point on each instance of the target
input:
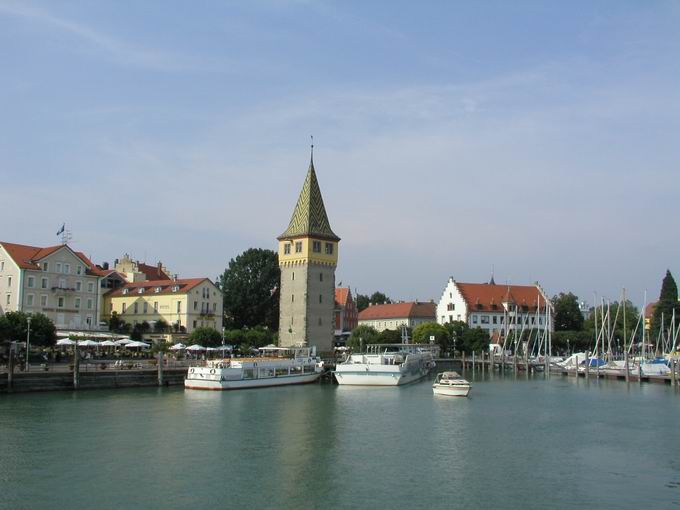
(495, 308)
(56, 281)
(346, 315)
(308, 256)
(396, 315)
(186, 304)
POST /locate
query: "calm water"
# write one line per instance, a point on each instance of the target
(513, 444)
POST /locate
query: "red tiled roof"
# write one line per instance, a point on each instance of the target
(184, 284)
(488, 297)
(341, 296)
(152, 272)
(27, 257)
(399, 311)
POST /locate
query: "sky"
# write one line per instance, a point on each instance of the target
(540, 139)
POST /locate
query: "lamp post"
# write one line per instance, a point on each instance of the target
(28, 339)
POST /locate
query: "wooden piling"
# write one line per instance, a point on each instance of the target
(473, 362)
(462, 357)
(160, 368)
(76, 367)
(10, 368)
(673, 374)
(587, 365)
(625, 357)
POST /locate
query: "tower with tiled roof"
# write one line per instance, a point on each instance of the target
(308, 256)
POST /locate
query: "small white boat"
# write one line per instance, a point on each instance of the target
(269, 370)
(450, 384)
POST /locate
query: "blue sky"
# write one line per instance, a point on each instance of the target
(537, 137)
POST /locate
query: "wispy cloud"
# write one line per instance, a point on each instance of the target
(117, 50)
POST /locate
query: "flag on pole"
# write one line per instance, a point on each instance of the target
(61, 230)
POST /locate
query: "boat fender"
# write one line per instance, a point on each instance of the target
(212, 370)
(191, 370)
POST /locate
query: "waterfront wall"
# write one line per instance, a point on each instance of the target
(104, 379)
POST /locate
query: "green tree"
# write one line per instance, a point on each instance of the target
(668, 302)
(423, 332)
(378, 298)
(14, 327)
(456, 329)
(117, 324)
(474, 340)
(362, 335)
(207, 337)
(576, 341)
(139, 330)
(615, 321)
(250, 288)
(568, 316)
(389, 336)
(362, 302)
(160, 326)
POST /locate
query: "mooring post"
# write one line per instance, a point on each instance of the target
(76, 367)
(625, 363)
(473, 362)
(10, 367)
(673, 374)
(483, 362)
(587, 365)
(160, 368)
(503, 362)
(514, 360)
(462, 357)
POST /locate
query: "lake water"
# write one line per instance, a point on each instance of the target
(515, 443)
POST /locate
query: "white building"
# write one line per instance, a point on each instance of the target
(495, 308)
(396, 315)
(56, 281)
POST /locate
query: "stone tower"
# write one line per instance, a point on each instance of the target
(308, 255)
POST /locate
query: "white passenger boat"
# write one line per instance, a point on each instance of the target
(451, 384)
(276, 367)
(387, 365)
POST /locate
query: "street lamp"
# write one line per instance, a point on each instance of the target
(28, 339)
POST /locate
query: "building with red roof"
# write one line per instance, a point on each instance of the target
(396, 315)
(346, 315)
(495, 308)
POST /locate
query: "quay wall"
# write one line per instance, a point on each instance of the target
(104, 379)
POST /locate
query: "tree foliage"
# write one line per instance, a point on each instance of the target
(250, 289)
(362, 336)
(568, 316)
(14, 327)
(667, 304)
(614, 322)
(389, 336)
(207, 337)
(423, 332)
(377, 298)
(474, 340)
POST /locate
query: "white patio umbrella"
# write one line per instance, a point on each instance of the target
(123, 341)
(178, 347)
(195, 347)
(88, 343)
(107, 343)
(140, 345)
(65, 341)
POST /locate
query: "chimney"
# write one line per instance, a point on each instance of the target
(105, 265)
(160, 268)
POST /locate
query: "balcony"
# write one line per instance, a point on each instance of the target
(63, 289)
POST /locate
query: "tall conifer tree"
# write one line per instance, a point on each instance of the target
(668, 301)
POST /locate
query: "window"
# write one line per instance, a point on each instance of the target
(194, 324)
(77, 303)
(450, 318)
(2, 265)
(329, 248)
(43, 300)
(124, 307)
(60, 302)
(474, 319)
(31, 282)
(90, 287)
(9, 281)
(316, 246)
(44, 283)
(298, 247)
(140, 290)
(175, 288)
(58, 267)
(45, 266)
(286, 249)
(67, 268)
(320, 322)
(179, 307)
(125, 291)
(79, 286)
(450, 307)
(214, 307)
(79, 270)
(320, 298)
(155, 306)
(62, 283)
(146, 307)
(292, 298)
(135, 308)
(195, 304)
(450, 295)
(8, 298)
(157, 290)
(89, 304)
(495, 319)
(293, 276)
(29, 299)
(320, 277)
(485, 319)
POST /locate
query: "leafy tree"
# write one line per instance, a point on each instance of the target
(161, 326)
(250, 288)
(423, 332)
(568, 316)
(577, 341)
(456, 329)
(668, 302)
(378, 298)
(208, 337)
(250, 337)
(632, 316)
(362, 335)
(389, 336)
(362, 301)
(117, 324)
(14, 327)
(474, 340)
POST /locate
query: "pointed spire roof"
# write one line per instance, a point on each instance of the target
(309, 217)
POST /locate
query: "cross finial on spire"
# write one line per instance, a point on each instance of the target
(312, 150)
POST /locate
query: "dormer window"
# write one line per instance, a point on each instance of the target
(175, 288)
(157, 290)
(140, 290)
(125, 291)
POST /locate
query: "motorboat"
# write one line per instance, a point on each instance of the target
(451, 384)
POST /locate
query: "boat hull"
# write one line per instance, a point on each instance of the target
(451, 391)
(198, 384)
(369, 378)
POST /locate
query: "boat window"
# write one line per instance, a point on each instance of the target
(248, 373)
